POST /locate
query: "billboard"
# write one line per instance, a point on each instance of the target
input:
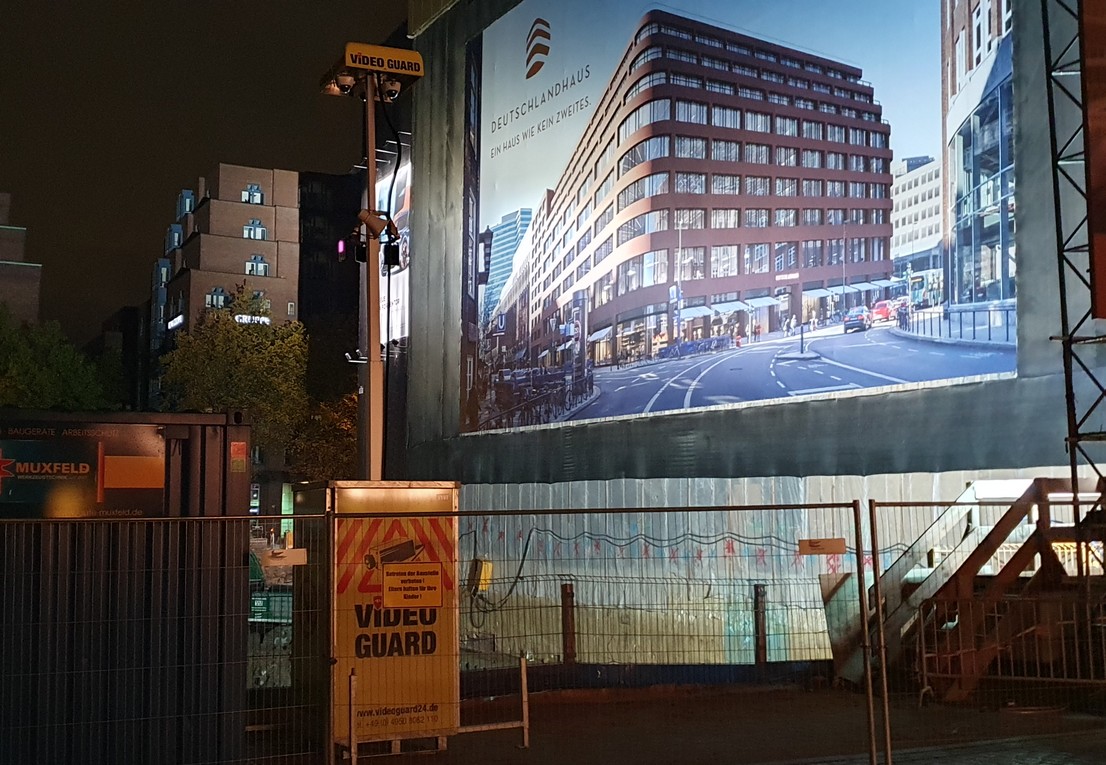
(715, 203)
(56, 469)
(393, 193)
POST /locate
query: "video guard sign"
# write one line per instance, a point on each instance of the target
(396, 611)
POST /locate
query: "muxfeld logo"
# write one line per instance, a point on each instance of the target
(537, 46)
(4, 472)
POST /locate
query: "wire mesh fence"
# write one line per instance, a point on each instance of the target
(997, 606)
(208, 640)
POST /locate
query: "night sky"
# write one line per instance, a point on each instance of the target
(107, 110)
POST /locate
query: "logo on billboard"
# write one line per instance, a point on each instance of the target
(537, 47)
(4, 472)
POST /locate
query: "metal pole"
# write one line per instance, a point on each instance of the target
(352, 704)
(760, 625)
(872, 529)
(370, 376)
(523, 687)
(568, 623)
(865, 645)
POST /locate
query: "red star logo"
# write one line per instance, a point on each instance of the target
(4, 465)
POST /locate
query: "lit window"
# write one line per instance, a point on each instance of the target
(254, 230)
(256, 266)
(252, 194)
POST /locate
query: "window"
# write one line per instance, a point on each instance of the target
(648, 81)
(756, 153)
(646, 114)
(691, 183)
(786, 217)
(799, 82)
(676, 54)
(787, 255)
(835, 188)
(877, 140)
(812, 129)
(654, 268)
(787, 187)
(252, 194)
(804, 103)
(725, 151)
(835, 161)
(748, 71)
(858, 190)
(812, 253)
(725, 184)
(691, 218)
(714, 86)
(751, 93)
(835, 133)
(256, 266)
(770, 76)
(858, 136)
(724, 116)
(217, 298)
(756, 259)
(291, 309)
(647, 55)
(779, 98)
(812, 217)
(687, 81)
(813, 188)
(604, 218)
(604, 188)
(715, 63)
(787, 126)
(757, 122)
(756, 218)
(645, 151)
(602, 251)
(811, 158)
(757, 186)
(254, 230)
(723, 261)
(691, 111)
(647, 223)
(688, 147)
(691, 265)
(725, 218)
(787, 156)
(856, 163)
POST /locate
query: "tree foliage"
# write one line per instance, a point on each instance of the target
(40, 369)
(255, 366)
(326, 445)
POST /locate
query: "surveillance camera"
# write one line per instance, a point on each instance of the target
(390, 90)
(376, 225)
(345, 82)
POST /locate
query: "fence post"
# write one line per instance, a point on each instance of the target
(760, 623)
(865, 639)
(352, 722)
(880, 632)
(568, 623)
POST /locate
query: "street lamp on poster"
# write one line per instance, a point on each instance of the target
(375, 74)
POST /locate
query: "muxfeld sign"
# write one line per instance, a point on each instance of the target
(74, 469)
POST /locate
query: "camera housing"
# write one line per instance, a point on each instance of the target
(389, 89)
(345, 82)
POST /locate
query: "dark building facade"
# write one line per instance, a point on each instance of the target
(20, 280)
(722, 182)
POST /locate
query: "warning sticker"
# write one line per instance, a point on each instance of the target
(408, 585)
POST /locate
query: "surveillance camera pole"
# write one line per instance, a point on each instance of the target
(370, 376)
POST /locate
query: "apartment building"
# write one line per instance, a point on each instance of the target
(916, 214)
(723, 181)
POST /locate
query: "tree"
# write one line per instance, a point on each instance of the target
(40, 369)
(326, 445)
(226, 362)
